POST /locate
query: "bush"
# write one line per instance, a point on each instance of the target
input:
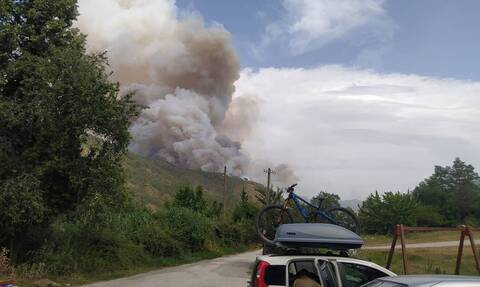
(245, 210)
(75, 247)
(101, 238)
(380, 214)
(429, 216)
(158, 242)
(191, 228)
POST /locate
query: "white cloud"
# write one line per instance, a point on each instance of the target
(354, 131)
(310, 24)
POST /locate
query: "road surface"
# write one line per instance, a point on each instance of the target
(231, 271)
(437, 244)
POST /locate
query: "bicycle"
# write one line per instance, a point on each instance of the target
(271, 216)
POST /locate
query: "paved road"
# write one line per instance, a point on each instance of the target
(231, 271)
(423, 245)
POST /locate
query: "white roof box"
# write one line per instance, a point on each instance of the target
(317, 235)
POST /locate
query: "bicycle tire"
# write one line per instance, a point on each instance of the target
(268, 236)
(342, 215)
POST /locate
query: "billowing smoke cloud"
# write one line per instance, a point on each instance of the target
(181, 70)
(285, 174)
(241, 118)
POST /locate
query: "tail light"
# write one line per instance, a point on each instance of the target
(260, 278)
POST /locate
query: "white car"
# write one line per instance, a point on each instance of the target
(314, 270)
(426, 281)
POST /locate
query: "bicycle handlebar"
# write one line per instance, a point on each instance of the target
(290, 189)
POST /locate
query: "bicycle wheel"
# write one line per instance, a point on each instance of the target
(345, 218)
(268, 219)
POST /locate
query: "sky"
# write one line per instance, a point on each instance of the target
(428, 37)
(355, 96)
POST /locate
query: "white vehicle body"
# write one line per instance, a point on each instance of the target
(327, 271)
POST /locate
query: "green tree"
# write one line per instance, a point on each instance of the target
(452, 191)
(268, 197)
(380, 214)
(245, 209)
(327, 200)
(191, 199)
(62, 123)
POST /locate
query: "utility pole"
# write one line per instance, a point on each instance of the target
(224, 188)
(269, 172)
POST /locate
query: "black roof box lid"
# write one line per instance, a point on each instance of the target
(317, 235)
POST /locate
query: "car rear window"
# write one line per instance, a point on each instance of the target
(275, 275)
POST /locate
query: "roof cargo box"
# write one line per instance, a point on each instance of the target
(317, 235)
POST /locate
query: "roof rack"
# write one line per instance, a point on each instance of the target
(309, 252)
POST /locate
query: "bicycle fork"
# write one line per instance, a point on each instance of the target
(284, 209)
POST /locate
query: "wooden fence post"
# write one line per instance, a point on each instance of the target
(474, 248)
(460, 251)
(404, 250)
(396, 233)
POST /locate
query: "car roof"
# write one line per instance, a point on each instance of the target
(425, 280)
(274, 259)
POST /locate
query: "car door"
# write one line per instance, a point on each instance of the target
(328, 273)
(303, 269)
(354, 274)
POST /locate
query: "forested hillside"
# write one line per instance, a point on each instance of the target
(155, 181)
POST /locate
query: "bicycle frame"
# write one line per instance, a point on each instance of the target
(303, 211)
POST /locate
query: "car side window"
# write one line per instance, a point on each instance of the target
(303, 271)
(355, 275)
(327, 274)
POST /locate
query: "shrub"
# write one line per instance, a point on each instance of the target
(380, 214)
(158, 242)
(227, 231)
(191, 228)
(428, 216)
(74, 247)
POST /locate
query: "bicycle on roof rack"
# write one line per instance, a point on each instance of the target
(271, 216)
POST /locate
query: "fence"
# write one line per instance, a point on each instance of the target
(400, 231)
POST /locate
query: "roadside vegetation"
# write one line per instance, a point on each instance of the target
(425, 260)
(449, 197)
(65, 208)
(413, 237)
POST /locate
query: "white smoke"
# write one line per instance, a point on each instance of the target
(183, 72)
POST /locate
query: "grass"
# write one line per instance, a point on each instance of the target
(414, 237)
(80, 279)
(425, 261)
(154, 181)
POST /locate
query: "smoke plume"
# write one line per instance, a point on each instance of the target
(181, 70)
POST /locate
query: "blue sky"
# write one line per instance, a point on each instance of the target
(433, 38)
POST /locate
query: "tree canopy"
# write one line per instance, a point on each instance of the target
(449, 197)
(63, 125)
(380, 213)
(327, 200)
(452, 191)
